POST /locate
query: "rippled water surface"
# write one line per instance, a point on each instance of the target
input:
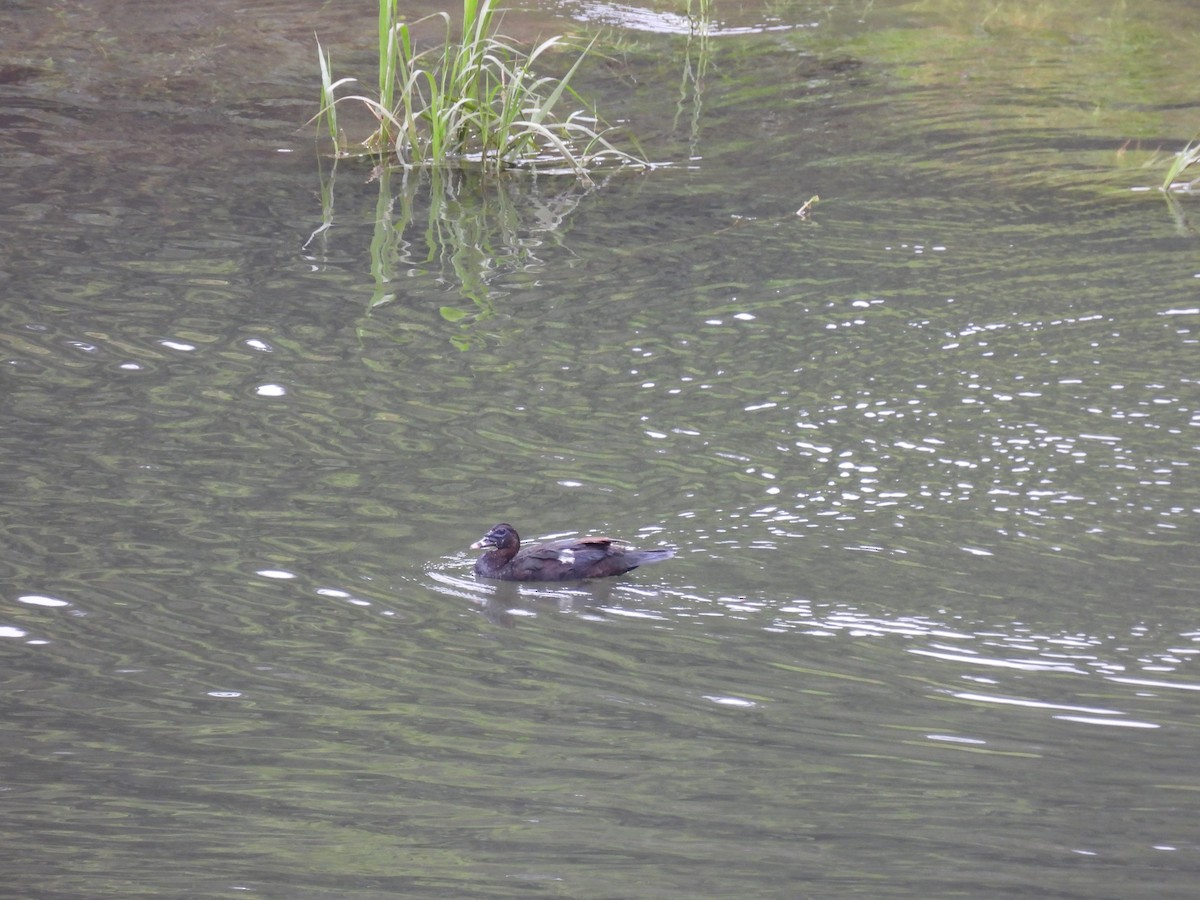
(928, 454)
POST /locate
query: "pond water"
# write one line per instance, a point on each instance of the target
(928, 454)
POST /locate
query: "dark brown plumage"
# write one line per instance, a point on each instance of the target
(566, 560)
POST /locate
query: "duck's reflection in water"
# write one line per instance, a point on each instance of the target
(506, 601)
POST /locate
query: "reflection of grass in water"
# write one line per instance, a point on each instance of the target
(471, 101)
(695, 67)
(460, 229)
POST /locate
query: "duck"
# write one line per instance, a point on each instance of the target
(570, 559)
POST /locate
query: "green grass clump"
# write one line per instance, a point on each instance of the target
(471, 101)
(1186, 158)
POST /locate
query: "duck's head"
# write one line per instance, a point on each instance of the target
(500, 537)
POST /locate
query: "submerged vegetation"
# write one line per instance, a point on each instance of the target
(475, 101)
